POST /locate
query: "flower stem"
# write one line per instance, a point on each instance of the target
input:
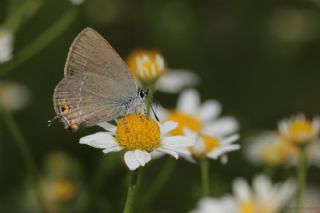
(204, 167)
(134, 185)
(302, 173)
(26, 154)
(40, 42)
(149, 99)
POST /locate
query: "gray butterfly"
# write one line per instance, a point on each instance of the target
(97, 85)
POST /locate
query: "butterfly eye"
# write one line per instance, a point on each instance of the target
(142, 94)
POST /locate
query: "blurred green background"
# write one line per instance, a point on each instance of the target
(260, 59)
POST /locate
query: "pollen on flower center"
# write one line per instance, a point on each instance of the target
(184, 121)
(300, 130)
(247, 207)
(138, 132)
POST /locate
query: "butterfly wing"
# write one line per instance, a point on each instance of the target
(97, 83)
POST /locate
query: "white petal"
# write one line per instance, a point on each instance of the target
(143, 157)
(241, 189)
(112, 149)
(188, 101)
(168, 126)
(222, 150)
(230, 139)
(131, 160)
(221, 127)
(156, 154)
(170, 152)
(177, 141)
(107, 126)
(161, 112)
(209, 110)
(100, 140)
(175, 80)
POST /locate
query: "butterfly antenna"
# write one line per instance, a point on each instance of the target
(50, 122)
(155, 115)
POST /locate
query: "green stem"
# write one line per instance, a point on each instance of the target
(302, 174)
(149, 99)
(41, 41)
(135, 177)
(26, 154)
(159, 182)
(204, 167)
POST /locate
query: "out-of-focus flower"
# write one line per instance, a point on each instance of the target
(13, 96)
(146, 65)
(299, 130)
(213, 135)
(265, 197)
(216, 205)
(269, 148)
(212, 146)
(6, 45)
(77, 2)
(293, 25)
(149, 67)
(60, 185)
(139, 136)
(174, 80)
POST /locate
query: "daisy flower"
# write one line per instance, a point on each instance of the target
(149, 68)
(265, 197)
(6, 45)
(212, 146)
(138, 135)
(214, 136)
(13, 96)
(299, 130)
(270, 148)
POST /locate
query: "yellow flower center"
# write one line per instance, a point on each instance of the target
(184, 121)
(251, 206)
(247, 207)
(146, 65)
(64, 189)
(276, 152)
(138, 132)
(301, 131)
(210, 143)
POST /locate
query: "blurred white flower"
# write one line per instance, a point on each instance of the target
(270, 148)
(6, 45)
(149, 67)
(76, 2)
(13, 96)
(212, 146)
(138, 135)
(298, 130)
(213, 135)
(216, 205)
(264, 197)
(174, 80)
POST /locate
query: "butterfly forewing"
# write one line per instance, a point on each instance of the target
(97, 83)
